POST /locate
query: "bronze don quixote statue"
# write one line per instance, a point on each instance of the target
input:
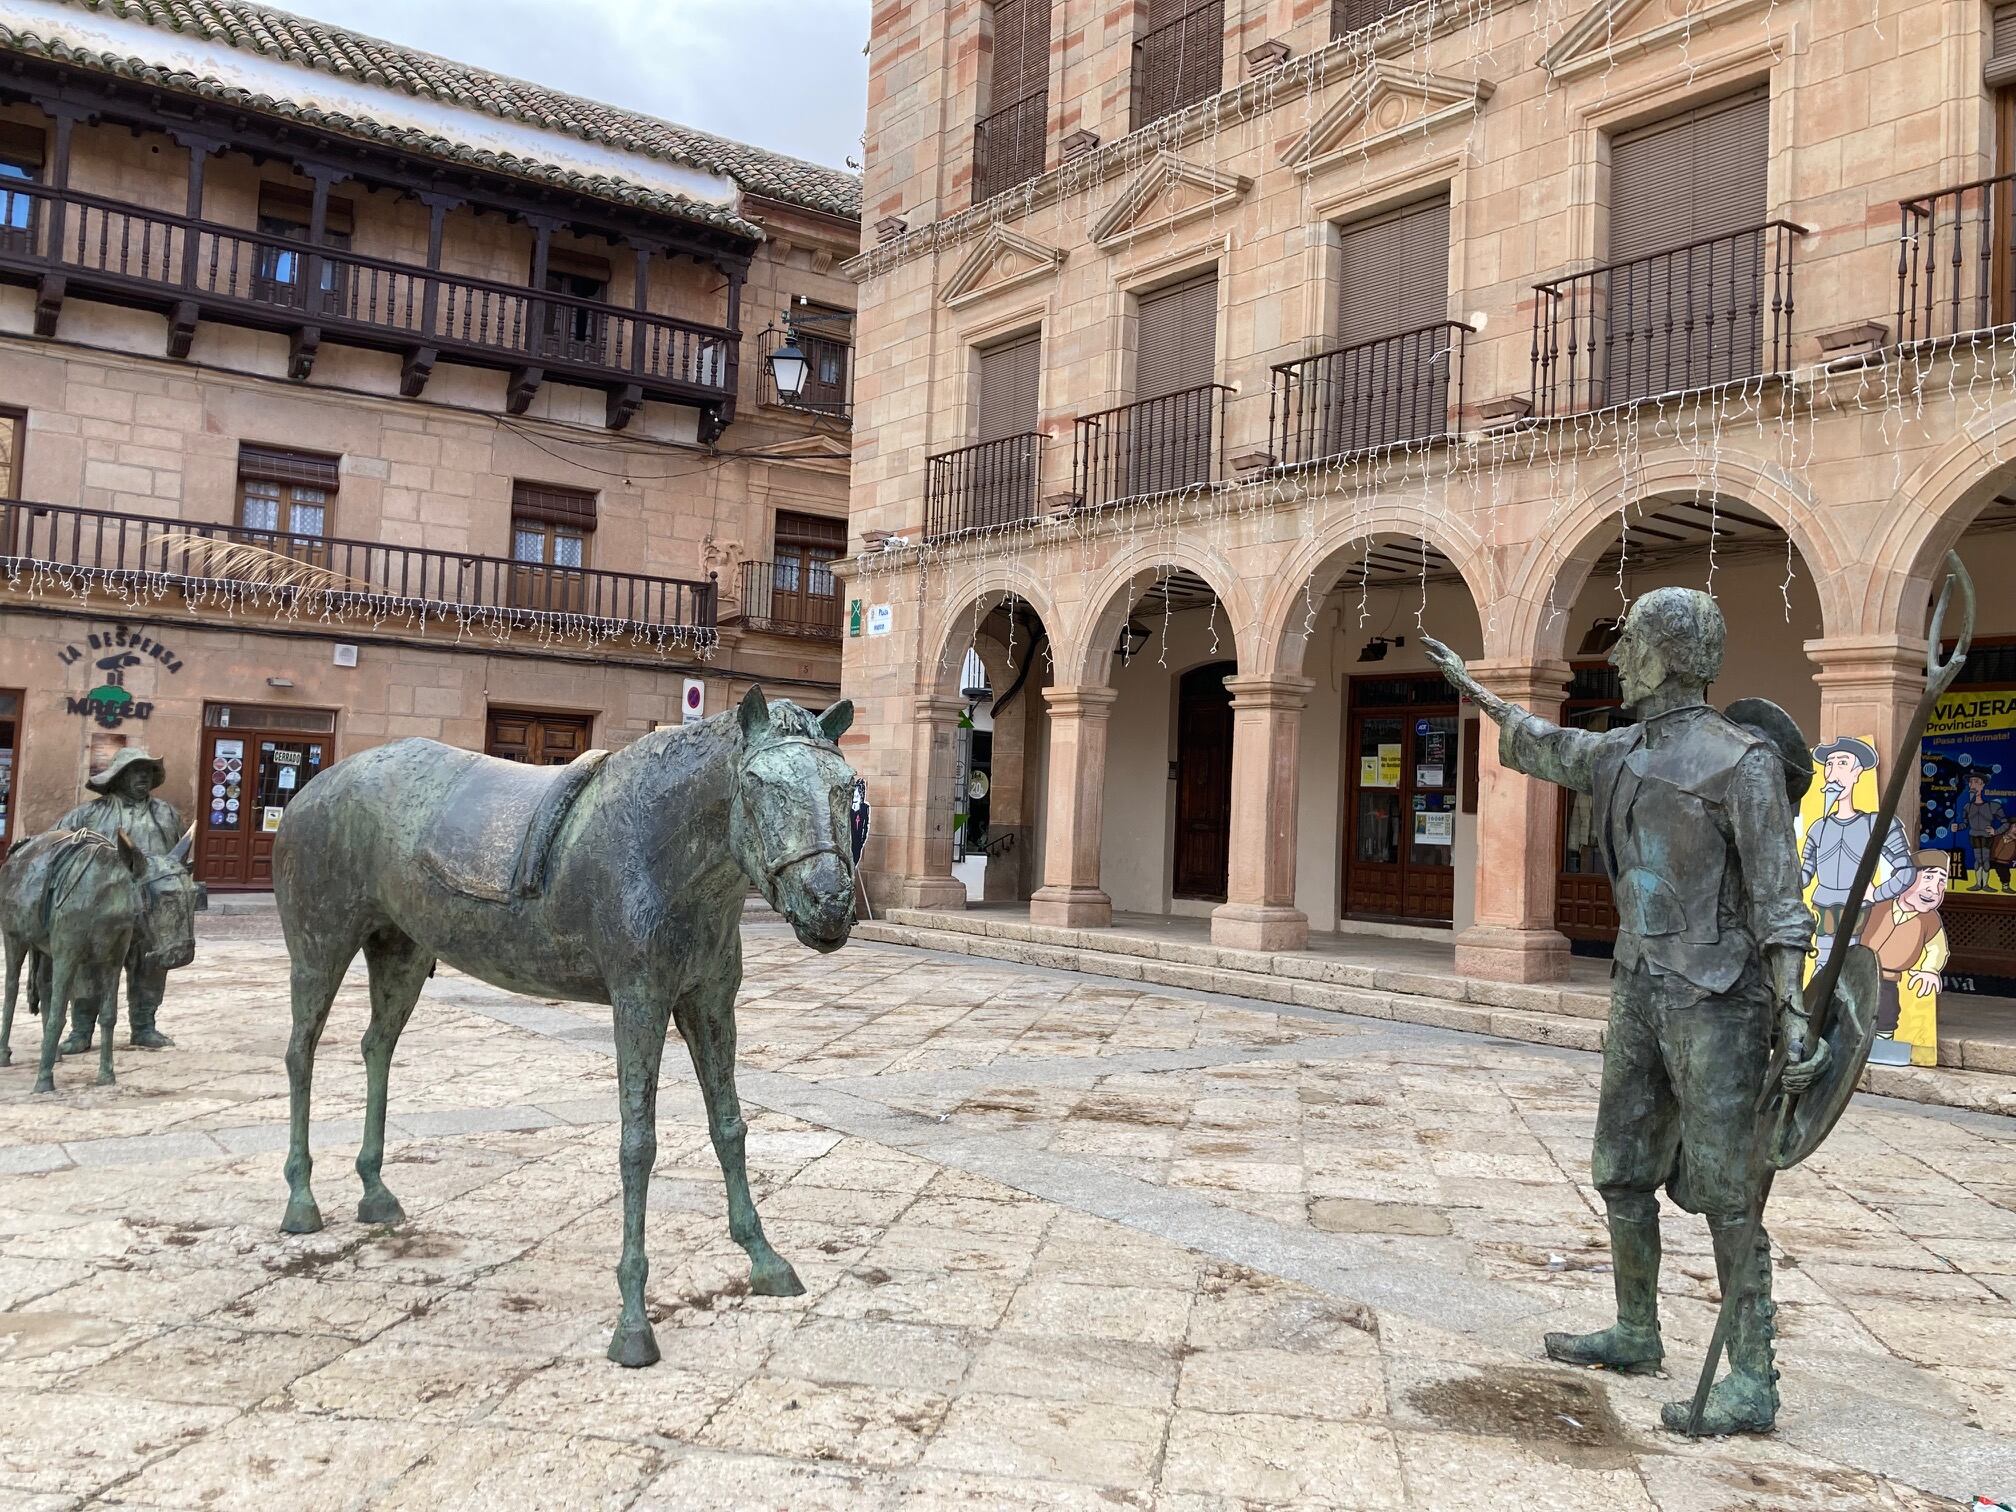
(616, 879)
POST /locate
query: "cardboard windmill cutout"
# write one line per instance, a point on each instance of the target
(1901, 922)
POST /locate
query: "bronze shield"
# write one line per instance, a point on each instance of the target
(1851, 1030)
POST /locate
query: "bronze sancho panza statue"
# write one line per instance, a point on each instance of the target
(1716, 1068)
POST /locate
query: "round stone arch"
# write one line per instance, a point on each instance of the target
(976, 595)
(1937, 502)
(1551, 574)
(1084, 654)
(1316, 564)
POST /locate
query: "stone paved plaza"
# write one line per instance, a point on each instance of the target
(1066, 1243)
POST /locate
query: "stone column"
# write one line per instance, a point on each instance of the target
(1259, 911)
(927, 863)
(1070, 896)
(1518, 841)
(1869, 687)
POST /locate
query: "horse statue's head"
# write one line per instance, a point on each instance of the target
(170, 899)
(790, 824)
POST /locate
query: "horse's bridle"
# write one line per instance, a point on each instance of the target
(818, 847)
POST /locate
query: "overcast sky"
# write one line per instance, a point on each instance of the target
(783, 74)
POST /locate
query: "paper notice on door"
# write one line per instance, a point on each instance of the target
(286, 777)
(1427, 776)
(1434, 829)
(1389, 765)
(1368, 771)
(270, 820)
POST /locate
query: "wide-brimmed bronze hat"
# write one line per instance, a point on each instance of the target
(157, 771)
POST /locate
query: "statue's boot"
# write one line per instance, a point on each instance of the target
(1746, 1399)
(82, 1022)
(145, 1035)
(1632, 1344)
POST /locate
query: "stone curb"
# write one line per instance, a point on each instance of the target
(1540, 1015)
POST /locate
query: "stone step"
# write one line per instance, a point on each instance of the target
(1507, 1010)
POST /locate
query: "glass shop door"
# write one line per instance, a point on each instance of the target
(249, 775)
(1402, 784)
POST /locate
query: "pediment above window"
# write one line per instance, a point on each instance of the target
(1167, 193)
(1614, 31)
(1393, 104)
(1001, 259)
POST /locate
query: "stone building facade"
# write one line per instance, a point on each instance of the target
(1212, 353)
(348, 394)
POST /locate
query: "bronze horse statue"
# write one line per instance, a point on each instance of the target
(616, 879)
(71, 902)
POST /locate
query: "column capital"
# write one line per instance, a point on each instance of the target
(934, 707)
(1523, 681)
(1080, 701)
(1845, 660)
(1264, 690)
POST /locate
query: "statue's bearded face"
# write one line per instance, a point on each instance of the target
(134, 784)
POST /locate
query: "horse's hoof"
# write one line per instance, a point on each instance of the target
(107, 1079)
(6, 1057)
(775, 1279)
(303, 1217)
(634, 1347)
(380, 1207)
(45, 1084)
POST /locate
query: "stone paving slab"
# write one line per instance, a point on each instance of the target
(1067, 1242)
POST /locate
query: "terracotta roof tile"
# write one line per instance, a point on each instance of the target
(310, 44)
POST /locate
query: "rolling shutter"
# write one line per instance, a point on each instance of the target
(1176, 338)
(1179, 56)
(272, 464)
(2004, 35)
(550, 504)
(1704, 173)
(1021, 63)
(1393, 273)
(1008, 377)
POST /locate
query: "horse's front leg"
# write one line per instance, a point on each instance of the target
(706, 1018)
(16, 953)
(641, 1021)
(108, 1017)
(55, 1007)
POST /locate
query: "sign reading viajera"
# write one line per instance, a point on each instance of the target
(114, 652)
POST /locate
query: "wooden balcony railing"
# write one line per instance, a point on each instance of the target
(1374, 394)
(1179, 63)
(791, 597)
(127, 254)
(147, 553)
(1953, 260)
(1152, 446)
(1709, 312)
(979, 487)
(1009, 145)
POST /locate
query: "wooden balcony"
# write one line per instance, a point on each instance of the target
(63, 243)
(126, 553)
(1695, 316)
(790, 597)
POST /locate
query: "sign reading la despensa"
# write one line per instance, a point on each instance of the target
(110, 704)
(1967, 788)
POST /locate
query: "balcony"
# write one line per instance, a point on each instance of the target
(1179, 63)
(1953, 260)
(1369, 396)
(1153, 446)
(1008, 146)
(65, 242)
(829, 375)
(1710, 312)
(982, 487)
(790, 597)
(223, 564)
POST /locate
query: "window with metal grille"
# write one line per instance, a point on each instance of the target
(1009, 142)
(806, 547)
(1179, 57)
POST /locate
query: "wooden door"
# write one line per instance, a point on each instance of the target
(537, 739)
(249, 777)
(1583, 906)
(10, 744)
(1403, 785)
(1203, 782)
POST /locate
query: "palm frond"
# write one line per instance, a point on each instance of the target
(246, 562)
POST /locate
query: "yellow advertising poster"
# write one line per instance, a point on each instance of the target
(1382, 770)
(1900, 916)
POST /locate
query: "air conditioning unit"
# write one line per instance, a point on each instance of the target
(345, 655)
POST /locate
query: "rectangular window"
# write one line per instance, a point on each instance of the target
(1009, 142)
(286, 493)
(1164, 440)
(21, 160)
(1179, 57)
(287, 212)
(1386, 377)
(1347, 16)
(550, 530)
(577, 333)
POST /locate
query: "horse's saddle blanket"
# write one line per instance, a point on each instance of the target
(494, 833)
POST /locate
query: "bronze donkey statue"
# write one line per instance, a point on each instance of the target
(70, 903)
(616, 879)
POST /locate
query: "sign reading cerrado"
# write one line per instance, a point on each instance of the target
(115, 651)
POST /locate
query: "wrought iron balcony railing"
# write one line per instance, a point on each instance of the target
(148, 553)
(979, 487)
(1710, 312)
(1152, 446)
(127, 254)
(1954, 269)
(829, 375)
(1374, 394)
(790, 597)
(1179, 63)
(1009, 145)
